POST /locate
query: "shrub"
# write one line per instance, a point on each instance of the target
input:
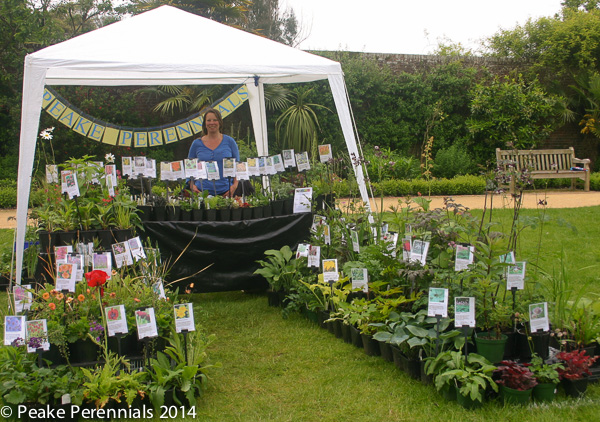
(453, 161)
(460, 185)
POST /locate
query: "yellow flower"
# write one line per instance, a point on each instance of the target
(181, 312)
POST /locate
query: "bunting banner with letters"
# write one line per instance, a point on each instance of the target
(121, 136)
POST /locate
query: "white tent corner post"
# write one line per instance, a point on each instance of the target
(336, 82)
(33, 90)
(256, 98)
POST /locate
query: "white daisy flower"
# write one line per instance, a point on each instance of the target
(46, 134)
(109, 158)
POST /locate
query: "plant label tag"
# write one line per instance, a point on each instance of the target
(184, 317)
(438, 302)
(464, 257)
(302, 161)
(229, 167)
(325, 153)
(116, 319)
(314, 256)
(289, 159)
(538, 317)
(464, 311)
(330, 270)
(515, 276)
(14, 328)
(146, 323)
(360, 279)
(37, 335)
(302, 200)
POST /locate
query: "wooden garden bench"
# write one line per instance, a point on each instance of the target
(547, 164)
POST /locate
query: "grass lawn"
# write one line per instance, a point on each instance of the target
(292, 370)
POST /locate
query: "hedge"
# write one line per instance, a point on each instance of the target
(459, 185)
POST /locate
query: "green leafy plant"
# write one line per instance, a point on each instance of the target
(279, 268)
(471, 375)
(545, 373)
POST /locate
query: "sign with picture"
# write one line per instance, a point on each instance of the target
(65, 277)
(14, 328)
(241, 171)
(116, 320)
(289, 159)
(184, 317)
(51, 173)
(139, 166)
(253, 167)
(122, 254)
(165, 171)
(302, 161)
(269, 166)
(191, 168)
(464, 257)
(36, 335)
(159, 289)
(78, 260)
(61, 252)
(326, 234)
(302, 250)
(538, 317)
(146, 323)
(23, 297)
(360, 279)
(150, 168)
(177, 170)
(515, 276)
(201, 166)
(136, 248)
(438, 302)
(69, 183)
(330, 270)
(391, 240)
(314, 256)
(229, 167)
(278, 163)
(302, 200)
(126, 166)
(262, 166)
(325, 153)
(418, 252)
(464, 312)
(212, 170)
(102, 261)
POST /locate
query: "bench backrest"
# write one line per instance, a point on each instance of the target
(537, 160)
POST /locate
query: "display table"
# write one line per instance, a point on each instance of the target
(233, 247)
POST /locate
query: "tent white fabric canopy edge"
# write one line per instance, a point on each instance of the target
(160, 47)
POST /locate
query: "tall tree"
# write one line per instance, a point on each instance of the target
(267, 19)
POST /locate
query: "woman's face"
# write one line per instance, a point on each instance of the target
(212, 123)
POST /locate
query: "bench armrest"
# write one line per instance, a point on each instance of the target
(584, 161)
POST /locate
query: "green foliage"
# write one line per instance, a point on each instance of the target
(557, 47)
(460, 185)
(453, 161)
(510, 112)
(279, 269)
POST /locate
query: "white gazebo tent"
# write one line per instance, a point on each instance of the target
(167, 46)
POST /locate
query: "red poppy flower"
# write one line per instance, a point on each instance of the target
(96, 278)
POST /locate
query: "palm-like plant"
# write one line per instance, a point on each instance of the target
(174, 99)
(298, 125)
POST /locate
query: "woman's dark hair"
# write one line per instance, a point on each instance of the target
(217, 113)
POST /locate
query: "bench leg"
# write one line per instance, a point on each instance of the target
(586, 182)
(573, 184)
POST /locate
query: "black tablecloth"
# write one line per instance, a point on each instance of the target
(232, 247)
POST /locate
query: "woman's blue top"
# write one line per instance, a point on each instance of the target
(226, 149)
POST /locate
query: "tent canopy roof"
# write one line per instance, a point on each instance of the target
(175, 47)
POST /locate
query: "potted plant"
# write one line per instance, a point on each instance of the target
(213, 204)
(279, 269)
(112, 382)
(547, 377)
(516, 382)
(575, 371)
(175, 380)
(470, 375)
